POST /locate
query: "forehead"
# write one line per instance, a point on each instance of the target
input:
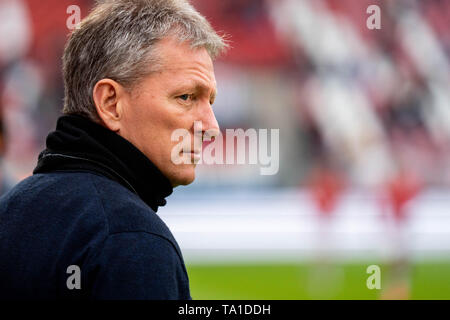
(183, 63)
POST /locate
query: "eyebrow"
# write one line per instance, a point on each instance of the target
(200, 87)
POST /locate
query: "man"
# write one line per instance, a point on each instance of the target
(84, 225)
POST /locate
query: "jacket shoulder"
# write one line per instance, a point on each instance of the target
(126, 212)
(88, 195)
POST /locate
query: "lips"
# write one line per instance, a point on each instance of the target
(196, 152)
(194, 155)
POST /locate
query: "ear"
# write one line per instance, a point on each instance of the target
(109, 98)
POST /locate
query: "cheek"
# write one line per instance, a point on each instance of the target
(145, 115)
(152, 121)
(140, 125)
(171, 119)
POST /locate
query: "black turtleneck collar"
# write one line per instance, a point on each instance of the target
(82, 145)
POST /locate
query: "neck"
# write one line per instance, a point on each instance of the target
(78, 143)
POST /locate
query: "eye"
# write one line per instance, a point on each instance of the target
(185, 97)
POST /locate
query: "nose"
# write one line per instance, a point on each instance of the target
(210, 126)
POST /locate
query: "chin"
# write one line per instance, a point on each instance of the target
(183, 176)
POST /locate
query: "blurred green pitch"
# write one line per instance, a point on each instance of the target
(428, 280)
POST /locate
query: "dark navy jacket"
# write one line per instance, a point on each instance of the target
(90, 203)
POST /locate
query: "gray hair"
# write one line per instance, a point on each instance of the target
(117, 41)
